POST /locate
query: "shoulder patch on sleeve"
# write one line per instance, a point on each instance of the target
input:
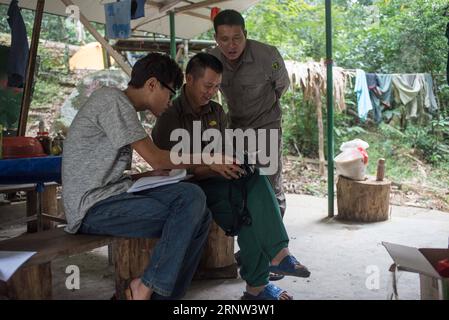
(275, 65)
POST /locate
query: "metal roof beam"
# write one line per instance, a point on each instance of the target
(197, 5)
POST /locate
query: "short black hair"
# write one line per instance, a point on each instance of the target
(199, 62)
(157, 65)
(229, 17)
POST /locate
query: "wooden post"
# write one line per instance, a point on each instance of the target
(380, 170)
(31, 283)
(49, 206)
(31, 210)
(31, 66)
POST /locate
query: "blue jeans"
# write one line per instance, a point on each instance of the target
(176, 213)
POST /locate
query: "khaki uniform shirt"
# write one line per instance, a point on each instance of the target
(181, 116)
(254, 86)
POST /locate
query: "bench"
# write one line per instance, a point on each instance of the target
(33, 280)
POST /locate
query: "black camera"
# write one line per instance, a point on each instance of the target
(247, 166)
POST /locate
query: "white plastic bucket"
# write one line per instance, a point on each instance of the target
(350, 164)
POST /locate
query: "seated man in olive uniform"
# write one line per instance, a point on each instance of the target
(246, 207)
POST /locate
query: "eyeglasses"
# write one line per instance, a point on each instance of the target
(173, 92)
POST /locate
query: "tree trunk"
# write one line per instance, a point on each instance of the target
(319, 114)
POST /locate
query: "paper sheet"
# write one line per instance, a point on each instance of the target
(174, 176)
(10, 261)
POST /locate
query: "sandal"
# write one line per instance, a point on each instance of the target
(289, 267)
(276, 276)
(270, 292)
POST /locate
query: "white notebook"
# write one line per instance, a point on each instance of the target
(175, 176)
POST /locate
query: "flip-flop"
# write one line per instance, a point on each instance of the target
(270, 292)
(276, 276)
(289, 267)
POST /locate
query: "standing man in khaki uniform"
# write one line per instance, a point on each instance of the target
(254, 79)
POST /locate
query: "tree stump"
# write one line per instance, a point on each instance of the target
(131, 256)
(364, 201)
(29, 283)
(217, 261)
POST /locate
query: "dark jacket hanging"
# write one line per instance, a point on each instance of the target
(18, 53)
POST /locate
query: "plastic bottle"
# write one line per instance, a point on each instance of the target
(58, 144)
(45, 140)
(41, 126)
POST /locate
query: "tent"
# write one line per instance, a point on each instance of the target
(88, 57)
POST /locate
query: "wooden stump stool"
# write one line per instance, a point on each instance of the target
(131, 256)
(364, 201)
(218, 257)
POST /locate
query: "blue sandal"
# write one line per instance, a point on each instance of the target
(270, 292)
(289, 267)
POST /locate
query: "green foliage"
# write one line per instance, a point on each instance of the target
(10, 101)
(405, 36)
(378, 36)
(295, 27)
(299, 125)
(45, 93)
(433, 141)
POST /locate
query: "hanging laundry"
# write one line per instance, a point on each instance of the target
(364, 104)
(18, 53)
(386, 88)
(137, 9)
(379, 86)
(118, 19)
(408, 87)
(430, 101)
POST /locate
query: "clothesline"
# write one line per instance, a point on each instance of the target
(433, 74)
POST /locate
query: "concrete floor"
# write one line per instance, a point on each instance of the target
(344, 258)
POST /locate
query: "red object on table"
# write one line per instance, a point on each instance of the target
(22, 147)
(213, 12)
(443, 268)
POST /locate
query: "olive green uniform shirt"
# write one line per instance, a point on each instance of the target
(180, 115)
(254, 86)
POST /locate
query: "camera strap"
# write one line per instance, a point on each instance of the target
(241, 214)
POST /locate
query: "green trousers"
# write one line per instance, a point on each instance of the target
(260, 241)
